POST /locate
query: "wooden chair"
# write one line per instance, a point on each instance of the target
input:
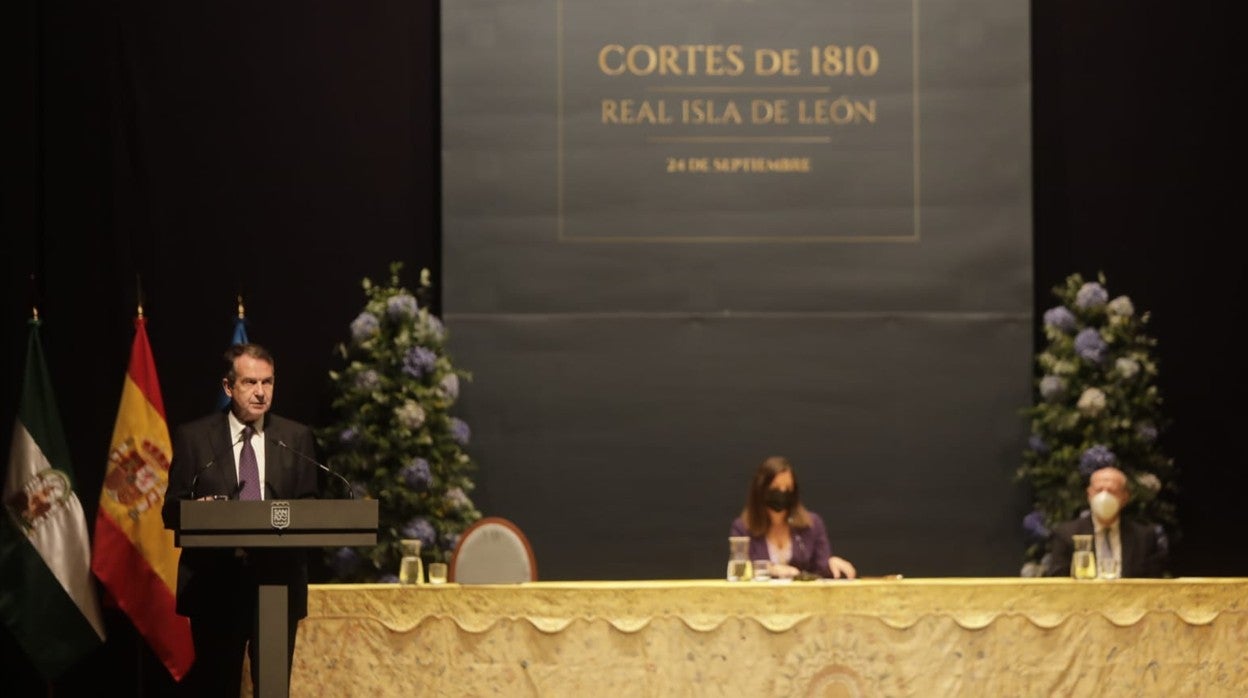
(492, 550)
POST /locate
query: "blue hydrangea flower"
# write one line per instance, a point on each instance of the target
(421, 529)
(417, 475)
(367, 380)
(1034, 528)
(460, 431)
(435, 327)
(456, 499)
(1163, 541)
(1091, 295)
(1146, 432)
(401, 306)
(1052, 388)
(450, 386)
(1096, 457)
(1089, 345)
(364, 327)
(410, 414)
(418, 361)
(1060, 318)
(348, 435)
(345, 561)
(1036, 443)
(449, 541)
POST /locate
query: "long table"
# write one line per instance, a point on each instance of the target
(883, 637)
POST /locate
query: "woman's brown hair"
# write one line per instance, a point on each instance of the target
(755, 512)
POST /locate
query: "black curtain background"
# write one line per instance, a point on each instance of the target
(285, 150)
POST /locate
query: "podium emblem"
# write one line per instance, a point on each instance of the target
(279, 515)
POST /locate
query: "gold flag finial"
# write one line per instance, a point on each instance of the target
(138, 290)
(34, 305)
(241, 313)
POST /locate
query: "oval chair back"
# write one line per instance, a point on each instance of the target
(492, 550)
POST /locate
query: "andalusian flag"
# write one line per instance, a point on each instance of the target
(134, 554)
(47, 596)
(240, 337)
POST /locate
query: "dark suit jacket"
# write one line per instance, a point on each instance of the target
(1142, 555)
(217, 581)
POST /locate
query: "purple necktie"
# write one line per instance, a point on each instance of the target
(1108, 553)
(248, 468)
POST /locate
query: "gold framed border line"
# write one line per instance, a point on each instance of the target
(916, 159)
(751, 90)
(738, 139)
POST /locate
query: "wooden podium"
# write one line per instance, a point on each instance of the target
(276, 523)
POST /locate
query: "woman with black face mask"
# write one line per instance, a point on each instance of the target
(783, 531)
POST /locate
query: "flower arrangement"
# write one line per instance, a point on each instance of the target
(1096, 405)
(394, 438)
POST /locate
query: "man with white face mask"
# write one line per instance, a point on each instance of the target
(1134, 544)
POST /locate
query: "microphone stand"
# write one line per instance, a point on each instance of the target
(322, 466)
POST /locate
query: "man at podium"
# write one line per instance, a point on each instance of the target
(245, 452)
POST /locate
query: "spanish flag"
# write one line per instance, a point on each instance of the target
(134, 555)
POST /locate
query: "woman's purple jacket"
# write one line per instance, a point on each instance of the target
(811, 549)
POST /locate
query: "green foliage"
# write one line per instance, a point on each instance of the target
(394, 436)
(1096, 404)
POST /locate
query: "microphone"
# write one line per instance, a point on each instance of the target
(347, 483)
(195, 480)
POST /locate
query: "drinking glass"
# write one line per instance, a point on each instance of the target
(762, 570)
(1110, 567)
(437, 573)
(1083, 561)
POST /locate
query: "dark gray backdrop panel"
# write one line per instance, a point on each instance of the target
(624, 444)
(631, 369)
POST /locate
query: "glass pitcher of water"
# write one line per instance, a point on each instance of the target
(740, 568)
(1083, 560)
(411, 569)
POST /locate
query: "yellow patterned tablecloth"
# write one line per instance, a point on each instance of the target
(905, 637)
